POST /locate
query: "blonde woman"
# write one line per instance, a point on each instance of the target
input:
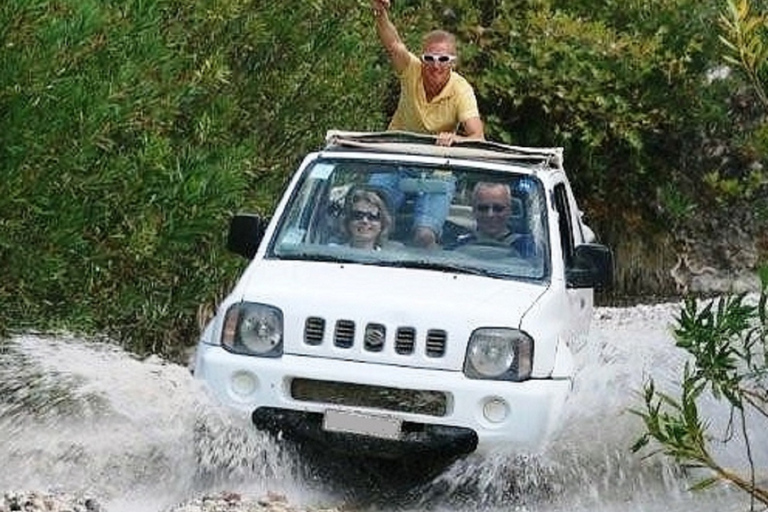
(367, 222)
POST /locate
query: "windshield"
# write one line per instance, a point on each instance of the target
(459, 219)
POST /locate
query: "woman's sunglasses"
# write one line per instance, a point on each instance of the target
(369, 216)
(430, 58)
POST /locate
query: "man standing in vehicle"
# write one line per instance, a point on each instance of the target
(434, 99)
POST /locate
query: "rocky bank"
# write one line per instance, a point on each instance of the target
(223, 502)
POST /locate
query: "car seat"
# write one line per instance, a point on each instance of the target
(520, 226)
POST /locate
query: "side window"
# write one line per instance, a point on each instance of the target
(565, 223)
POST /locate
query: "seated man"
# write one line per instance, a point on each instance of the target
(492, 208)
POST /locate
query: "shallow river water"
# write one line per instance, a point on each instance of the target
(142, 436)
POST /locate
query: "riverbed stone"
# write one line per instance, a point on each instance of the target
(227, 501)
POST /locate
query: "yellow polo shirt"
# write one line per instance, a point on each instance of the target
(455, 104)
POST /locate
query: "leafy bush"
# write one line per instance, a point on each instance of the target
(134, 129)
(744, 34)
(635, 92)
(727, 340)
(620, 86)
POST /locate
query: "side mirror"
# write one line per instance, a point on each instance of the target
(592, 267)
(245, 234)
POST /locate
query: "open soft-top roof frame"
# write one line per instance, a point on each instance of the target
(423, 144)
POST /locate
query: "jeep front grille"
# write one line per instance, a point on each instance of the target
(344, 335)
(314, 328)
(436, 342)
(374, 337)
(405, 341)
(416, 401)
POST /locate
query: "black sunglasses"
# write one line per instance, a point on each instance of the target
(369, 216)
(496, 208)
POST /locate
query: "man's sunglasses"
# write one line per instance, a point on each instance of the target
(429, 58)
(495, 208)
(369, 216)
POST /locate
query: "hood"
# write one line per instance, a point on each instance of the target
(432, 307)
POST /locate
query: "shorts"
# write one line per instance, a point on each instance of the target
(432, 195)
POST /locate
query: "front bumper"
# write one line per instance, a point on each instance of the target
(416, 439)
(478, 415)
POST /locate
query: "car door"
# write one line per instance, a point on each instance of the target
(579, 300)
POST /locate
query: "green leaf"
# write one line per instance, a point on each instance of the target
(704, 484)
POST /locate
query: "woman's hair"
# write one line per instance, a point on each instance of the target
(357, 195)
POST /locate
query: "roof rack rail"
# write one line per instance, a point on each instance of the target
(424, 144)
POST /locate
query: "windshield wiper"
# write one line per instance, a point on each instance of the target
(311, 256)
(435, 265)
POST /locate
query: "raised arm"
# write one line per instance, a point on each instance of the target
(390, 39)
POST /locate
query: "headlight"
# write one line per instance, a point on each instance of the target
(499, 354)
(253, 329)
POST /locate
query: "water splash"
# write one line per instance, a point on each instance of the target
(142, 435)
(89, 417)
(588, 465)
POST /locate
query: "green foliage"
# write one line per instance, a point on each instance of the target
(679, 206)
(729, 189)
(134, 129)
(675, 424)
(728, 342)
(708, 335)
(745, 36)
(621, 85)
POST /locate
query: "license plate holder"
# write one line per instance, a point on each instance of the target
(353, 422)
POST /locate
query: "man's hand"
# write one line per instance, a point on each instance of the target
(379, 6)
(446, 138)
(390, 39)
(473, 128)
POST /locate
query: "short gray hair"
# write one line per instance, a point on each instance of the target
(439, 36)
(490, 184)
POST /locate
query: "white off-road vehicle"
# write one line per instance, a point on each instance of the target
(464, 346)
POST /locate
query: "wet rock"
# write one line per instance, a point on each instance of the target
(222, 502)
(33, 501)
(234, 502)
(719, 255)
